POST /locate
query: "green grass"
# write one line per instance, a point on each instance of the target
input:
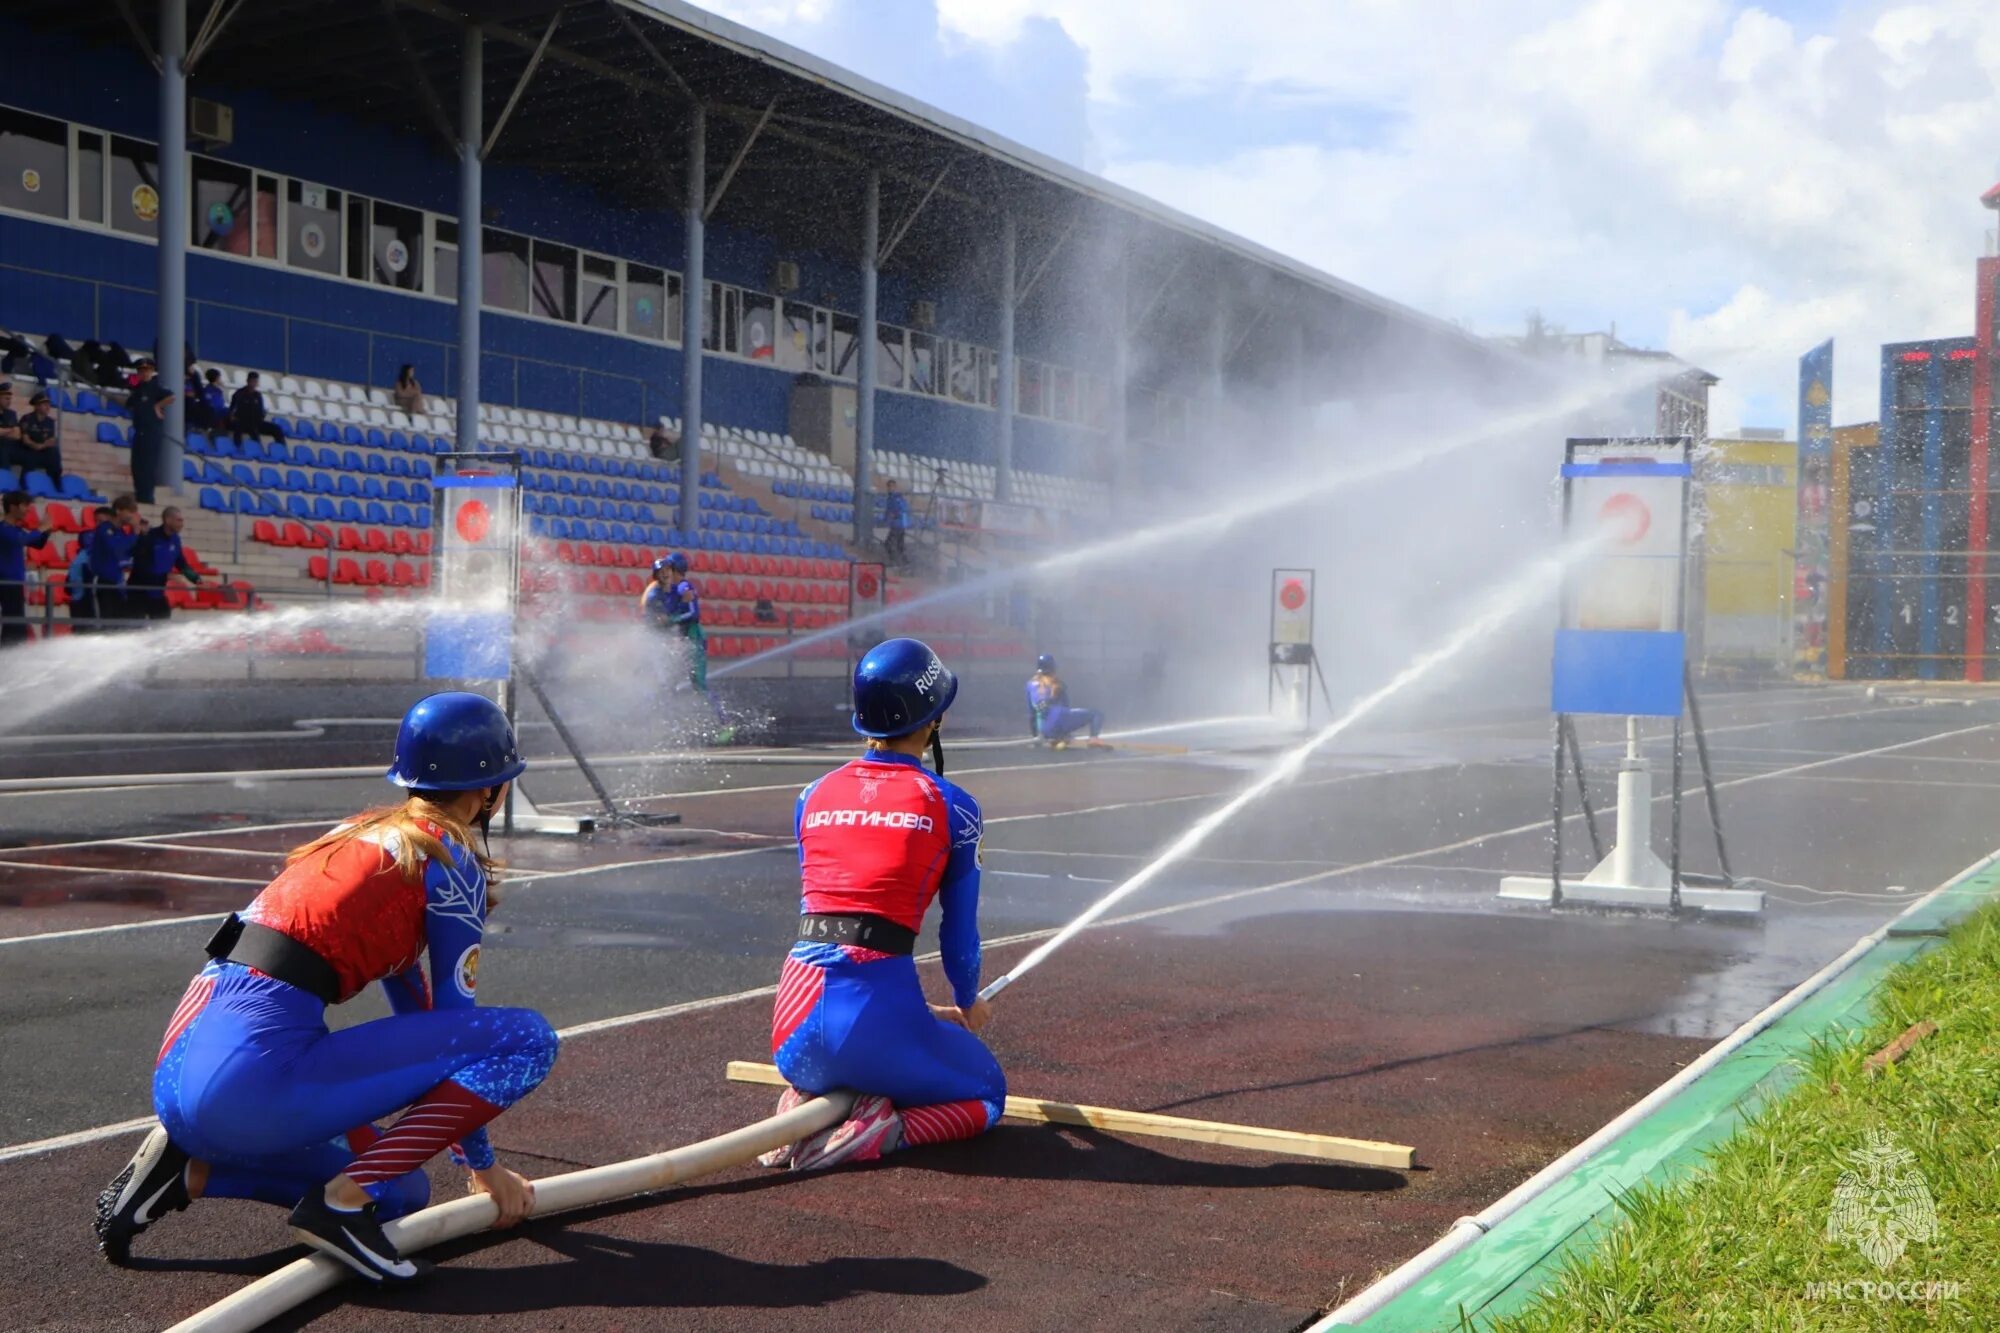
(1739, 1243)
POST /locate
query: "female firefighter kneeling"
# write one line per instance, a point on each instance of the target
(879, 837)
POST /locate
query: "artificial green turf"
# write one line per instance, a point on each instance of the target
(1743, 1242)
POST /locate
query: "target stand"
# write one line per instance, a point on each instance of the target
(1293, 663)
(1621, 650)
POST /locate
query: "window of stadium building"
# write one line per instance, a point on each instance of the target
(74, 174)
(34, 164)
(312, 227)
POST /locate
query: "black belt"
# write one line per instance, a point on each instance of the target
(277, 955)
(868, 932)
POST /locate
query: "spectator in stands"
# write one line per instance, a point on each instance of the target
(155, 555)
(14, 349)
(148, 405)
(17, 534)
(662, 445)
(896, 513)
(208, 402)
(41, 450)
(407, 393)
(246, 413)
(110, 546)
(76, 581)
(10, 429)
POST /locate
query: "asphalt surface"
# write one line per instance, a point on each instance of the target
(1334, 961)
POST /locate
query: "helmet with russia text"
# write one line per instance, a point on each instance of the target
(900, 686)
(455, 741)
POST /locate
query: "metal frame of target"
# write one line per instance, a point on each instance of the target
(867, 594)
(1621, 650)
(476, 579)
(1294, 658)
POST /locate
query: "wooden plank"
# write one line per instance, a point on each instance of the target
(1292, 1143)
(1900, 1047)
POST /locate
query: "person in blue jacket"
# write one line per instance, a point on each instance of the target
(1055, 720)
(109, 548)
(671, 604)
(156, 554)
(17, 538)
(258, 1099)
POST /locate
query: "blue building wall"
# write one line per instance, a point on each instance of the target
(87, 283)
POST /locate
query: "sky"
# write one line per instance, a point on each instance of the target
(1732, 182)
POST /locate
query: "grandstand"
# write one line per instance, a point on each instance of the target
(871, 273)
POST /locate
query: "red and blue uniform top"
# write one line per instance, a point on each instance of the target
(667, 607)
(883, 835)
(354, 908)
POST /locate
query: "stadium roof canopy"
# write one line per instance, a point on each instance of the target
(596, 90)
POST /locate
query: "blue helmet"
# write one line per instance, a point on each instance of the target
(455, 742)
(899, 686)
(1045, 663)
(676, 562)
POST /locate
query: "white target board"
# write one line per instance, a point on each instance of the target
(470, 636)
(1291, 606)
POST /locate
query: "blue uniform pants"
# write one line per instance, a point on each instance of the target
(253, 1083)
(1060, 721)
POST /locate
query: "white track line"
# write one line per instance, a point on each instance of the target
(1214, 900)
(154, 924)
(133, 871)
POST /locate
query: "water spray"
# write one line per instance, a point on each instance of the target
(1506, 604)
(1218, 519)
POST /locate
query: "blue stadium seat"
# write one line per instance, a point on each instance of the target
(296, 506)
(350, 511)
(270, 479)
(268, 506)
(539, 457)
(422, 467)
(322, 483)
(376, 464)
(372, 489)
(221, 446)
(190, 470)
(559, 527)
(616, 531)
(377, 438)
(323, 510)
(570, 508)
(398, 440)
(351, 434)
(212, 499)
(402, 517)
(286, 425)
(399, 490)
(250, 450)
(377, 512)
(348, 484)
(87, 401)
(537, 528)
(40, 487)
(295, 480)
(399, 466)
(420, 493)
(657, 536)
(111, 435)
(350, 459)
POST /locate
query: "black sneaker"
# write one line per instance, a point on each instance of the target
(152, 1184)
(355, 1238)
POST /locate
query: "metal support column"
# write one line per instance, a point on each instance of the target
(1003, 394)
(1123, 467)
(170, 328)
(694, 293)
(471, 115)
(865, 370)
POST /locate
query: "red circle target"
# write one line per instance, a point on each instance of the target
(1292, 595)
(474, 521)
(866, 585)
(1625, 517)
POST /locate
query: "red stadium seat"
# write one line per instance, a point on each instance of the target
(606, 556)
(788, 566)
(565, 553)
(346, 571)
(347, 539)
(316, 568)
(196, 563)
(424, 542)
(738, 563)
(635, 584)
(586, 555)
(400, 543)
(376, 541)
(424, 575)
(264, 530)
(402, 575)
(376, 573)
(60, 519)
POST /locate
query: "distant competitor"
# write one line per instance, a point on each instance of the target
(879, 837)
(1055, 721)
(258, 1100)
(670, 603)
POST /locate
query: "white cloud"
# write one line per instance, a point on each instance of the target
(1691, 169)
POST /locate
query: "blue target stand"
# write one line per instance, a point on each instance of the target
(1621, 650)
(476, 580)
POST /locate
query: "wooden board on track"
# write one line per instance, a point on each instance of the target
(1292, 1143)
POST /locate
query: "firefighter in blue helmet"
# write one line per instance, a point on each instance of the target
(258, 1099)
(1056, 721)
(671, 604)
(880, 838)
